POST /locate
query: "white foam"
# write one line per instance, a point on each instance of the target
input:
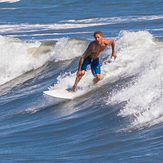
(17, 57)
(67, 49)
(14, 58)
(159, 29)
(9, 1)
(8, 8)
(140, 56)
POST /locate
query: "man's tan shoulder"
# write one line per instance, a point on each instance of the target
(93, 43)
(108, 41)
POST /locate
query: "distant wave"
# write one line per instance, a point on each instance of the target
(8, 8)
(9, 1)
(113, 20)
(72, 24)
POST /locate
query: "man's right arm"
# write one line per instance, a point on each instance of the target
(85, 55)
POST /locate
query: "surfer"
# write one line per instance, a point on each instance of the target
(91, 56)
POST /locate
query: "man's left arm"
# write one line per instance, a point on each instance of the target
(112, 43)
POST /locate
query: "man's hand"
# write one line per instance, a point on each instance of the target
(114, 55)
(79, 73)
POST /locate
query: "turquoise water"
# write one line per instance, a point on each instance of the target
(118, 120)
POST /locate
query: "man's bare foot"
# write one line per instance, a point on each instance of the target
(73, 89)
(96, 80)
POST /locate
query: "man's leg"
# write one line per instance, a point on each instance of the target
(96, 70)
(83, 69)
(97, 78)
(78, 78)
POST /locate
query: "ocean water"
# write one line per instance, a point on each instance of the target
(120, 119)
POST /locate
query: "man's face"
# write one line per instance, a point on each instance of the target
(98, 38)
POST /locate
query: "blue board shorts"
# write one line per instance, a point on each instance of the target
(95, 65)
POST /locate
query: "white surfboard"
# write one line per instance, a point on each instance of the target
(64, 94)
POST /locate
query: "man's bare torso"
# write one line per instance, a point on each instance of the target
(96, 49)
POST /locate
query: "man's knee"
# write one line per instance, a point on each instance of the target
(81, 74)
